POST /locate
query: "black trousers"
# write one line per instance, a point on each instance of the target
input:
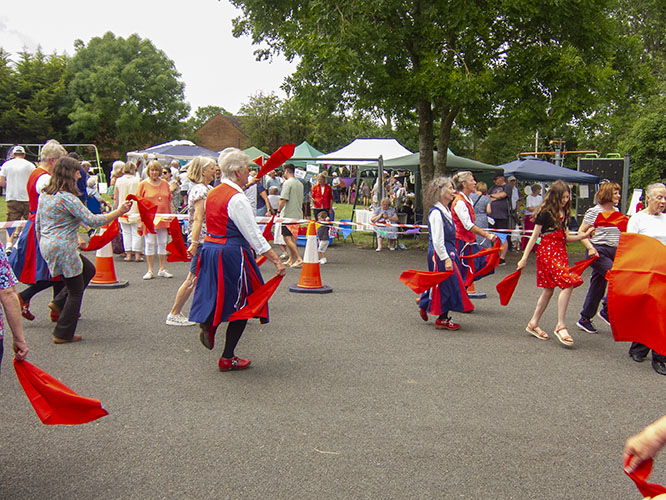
(69, 300)
(643, 351)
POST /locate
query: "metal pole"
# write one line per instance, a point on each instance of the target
(625, 184)
(380, 172)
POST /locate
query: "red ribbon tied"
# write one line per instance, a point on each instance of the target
(53, 401)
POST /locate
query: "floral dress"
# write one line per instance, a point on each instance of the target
(58, 219)
(552, 261)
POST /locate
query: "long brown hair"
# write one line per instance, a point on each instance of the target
(552, 204)
(63, 176)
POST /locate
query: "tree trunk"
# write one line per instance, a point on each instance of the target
(448, 117)
(426, 140)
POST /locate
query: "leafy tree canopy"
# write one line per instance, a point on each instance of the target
(124, 93)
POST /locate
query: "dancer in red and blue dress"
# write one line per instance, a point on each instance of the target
(464, 219)
(450, 294)
(227, 271)
(552, 262)
(26, 259)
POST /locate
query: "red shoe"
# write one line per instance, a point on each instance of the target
(446, 324)
(207, 335)
(424, 314)
(235, 363)
(25, 309)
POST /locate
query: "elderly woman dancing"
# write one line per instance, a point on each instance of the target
(228, 272)
(450, 294)
(651, 222)
(59, 215)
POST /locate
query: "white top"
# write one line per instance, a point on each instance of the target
(515, 196)
(463, 212)
(251, 194)
(42, 182)
(240, 212)
(437, 230)
(649, 225)
(533, 201)
(16, 172)
(128, 184)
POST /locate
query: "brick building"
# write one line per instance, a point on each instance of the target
(221, 131)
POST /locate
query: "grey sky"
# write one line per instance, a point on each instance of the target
(217, 68)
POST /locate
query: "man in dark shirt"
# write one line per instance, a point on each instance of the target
(500, 203)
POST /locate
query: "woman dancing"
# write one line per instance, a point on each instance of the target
(228, 272)
(450, 294)
(552, 262)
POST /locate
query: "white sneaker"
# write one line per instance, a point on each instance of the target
(163, 273)
(178, 320)
(322, 260)
(148, 276)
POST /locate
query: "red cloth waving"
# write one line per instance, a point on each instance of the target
(612, 219)
(506, 287)
(176, 247)
(637, 291)
(492, 261)
(640, 476)
(100, 240)
(420, 281)
(268, 234)
(581, 265)
(258, 300)
(276, 159)
(54, 402)
(147, 211)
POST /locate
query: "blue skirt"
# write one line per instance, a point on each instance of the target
(450, 294)
(472, 266)
(226, 275)
(26, 260)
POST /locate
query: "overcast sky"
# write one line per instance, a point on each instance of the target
(217, 68)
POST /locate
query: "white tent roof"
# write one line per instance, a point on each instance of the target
(364, 151)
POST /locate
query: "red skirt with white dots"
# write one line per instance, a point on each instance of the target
(552, 263)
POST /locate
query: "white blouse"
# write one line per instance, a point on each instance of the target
(437, 230)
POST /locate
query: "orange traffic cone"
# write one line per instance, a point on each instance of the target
(105, 275)
(310, 281)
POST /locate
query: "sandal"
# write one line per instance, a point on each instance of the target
(563, 336)
(537, 332)
(296, 264)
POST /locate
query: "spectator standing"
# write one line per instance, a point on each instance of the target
(500, 206)
(321, 196)
(127, 184)
(322, 235)
(14, 177)
(481, 204)
(532, 202)
(291, 207)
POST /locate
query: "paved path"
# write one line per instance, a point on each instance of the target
(350, 396)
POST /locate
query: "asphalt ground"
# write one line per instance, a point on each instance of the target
(350, 396)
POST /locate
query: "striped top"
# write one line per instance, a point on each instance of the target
(608, 236)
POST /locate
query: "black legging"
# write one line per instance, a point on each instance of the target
(69, 300)
(33, 290)
(235, 330)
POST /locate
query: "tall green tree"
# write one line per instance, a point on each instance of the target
(203, 114)
(125, 94)
(475, 61)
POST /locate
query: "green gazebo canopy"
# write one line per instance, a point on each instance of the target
(305, 150)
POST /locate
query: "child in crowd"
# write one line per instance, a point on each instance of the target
(322, 234)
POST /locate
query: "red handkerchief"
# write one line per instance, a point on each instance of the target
(276, 159)
(147, 211)
(612, 219)
(420, 281)
(100, 240)
(581, 265)
(54, 402)
(506, 287)
(257, 300)
(492, 261)
(268, 233)
(176, 247)
(637, 291)
(640, 477)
